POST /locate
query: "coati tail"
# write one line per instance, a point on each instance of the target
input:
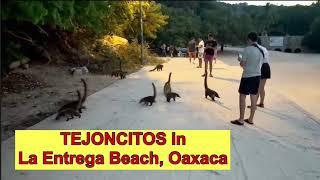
(154, 90)
(153, 69)
(169, 77)
(58, 115)
(79, 100)
(205, 81)
(85, 92)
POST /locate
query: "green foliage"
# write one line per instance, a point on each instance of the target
(183, 24)
(121, 17)
(92, 18)
(231, 23)
(311, 40)
(66, 14)
(128, 15)
(128, 54)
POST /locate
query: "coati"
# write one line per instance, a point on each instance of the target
(172, 95)
(158, 67)
(209, 92)
(79, 70)
(73, 104)
(149, 99)
(71, 111)
(115, 73)
(119, 72)
(167, 86)
(123, 74)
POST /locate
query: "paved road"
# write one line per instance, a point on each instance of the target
(283, 144)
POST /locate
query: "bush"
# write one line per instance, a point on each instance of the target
(128, 54)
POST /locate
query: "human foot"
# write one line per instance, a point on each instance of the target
(249, 122)
(237, 122)
(259, 105)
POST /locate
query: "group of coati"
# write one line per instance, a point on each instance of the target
(149, 100)
(74, 108)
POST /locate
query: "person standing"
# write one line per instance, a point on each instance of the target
(250, 61)
(171, 50)
(163, 49)
(192, 49)
(200, 52)
(210, 52)
(265, 75)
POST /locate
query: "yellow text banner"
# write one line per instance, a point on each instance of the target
(122, 150)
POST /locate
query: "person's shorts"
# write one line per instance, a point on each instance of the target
(200, 55)
(208, 58)
(192, 54)
(265, 71)
(249, 85)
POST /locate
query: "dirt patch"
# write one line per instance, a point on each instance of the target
(33, 94)
(17, 82)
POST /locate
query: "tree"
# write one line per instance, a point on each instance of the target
(311, 40)
(153, 19)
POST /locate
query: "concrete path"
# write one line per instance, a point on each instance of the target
(283, 144)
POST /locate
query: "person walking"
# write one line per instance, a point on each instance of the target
(210, 52)
(200, 52)
(250, 61)
(192, 49)
(265, 75)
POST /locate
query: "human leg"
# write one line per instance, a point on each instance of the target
(200, 62)
(253, 100)
(210, 68)
(242, 105)
(262, 92)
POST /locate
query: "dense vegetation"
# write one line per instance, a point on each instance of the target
(230, 23)
(70, 31)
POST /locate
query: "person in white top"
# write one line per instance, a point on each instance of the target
(265, 74)
(250, 61)
(200, 52)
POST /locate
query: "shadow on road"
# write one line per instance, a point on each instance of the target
(228, 79)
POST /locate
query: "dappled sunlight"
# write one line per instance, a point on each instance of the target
(113, 40)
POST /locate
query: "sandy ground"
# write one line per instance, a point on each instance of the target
(283, 144)
(24, 109)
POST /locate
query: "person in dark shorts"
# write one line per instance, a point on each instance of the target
(250, 61)
(265, 74)
(210, 51)
(192, 49)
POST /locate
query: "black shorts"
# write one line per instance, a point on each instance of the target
(249, 85)
(265, 71)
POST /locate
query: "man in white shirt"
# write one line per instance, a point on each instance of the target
(200, 52)
(250, 61)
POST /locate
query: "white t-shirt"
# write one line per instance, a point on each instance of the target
(253, 58)
(266, 54)
(201, 49)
